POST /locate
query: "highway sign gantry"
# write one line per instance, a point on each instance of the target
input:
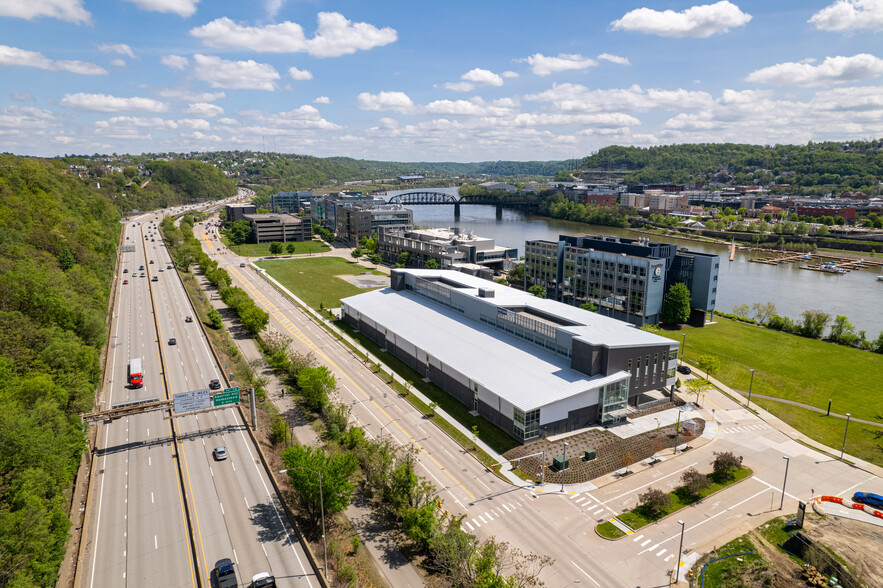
(192, 400)
(228, 396)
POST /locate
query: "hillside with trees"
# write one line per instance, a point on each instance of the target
(814, 168)
(58, 243)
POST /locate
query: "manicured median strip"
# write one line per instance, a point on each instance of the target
(637, 519)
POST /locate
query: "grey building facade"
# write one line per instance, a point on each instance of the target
(270, 228)
(290, 202)
(237, 212)
(531, 366)
(625, 278)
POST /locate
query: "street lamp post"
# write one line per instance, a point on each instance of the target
(785, 481)
(564, 465)
(386, 425)
(683, 342)
(677, 430)
(750, 384)
(843, 448)
(322, 510)
(680, 551)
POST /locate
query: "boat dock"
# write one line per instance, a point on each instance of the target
(827, 262)
(785, 258)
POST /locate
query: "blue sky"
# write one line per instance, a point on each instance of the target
(434, 81)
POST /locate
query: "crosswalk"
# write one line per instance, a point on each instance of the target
(644, 542)
(591, 505)
(494, 513)
(729, 430)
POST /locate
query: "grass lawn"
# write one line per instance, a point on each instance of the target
(263, 249)
(315, 280)
(800, 369)
(637, 518)
(728, 573)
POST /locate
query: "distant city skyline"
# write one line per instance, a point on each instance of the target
(451, 81)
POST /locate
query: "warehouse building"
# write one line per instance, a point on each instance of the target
(532, 366)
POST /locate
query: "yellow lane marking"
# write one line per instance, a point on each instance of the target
(275, 312)
(719, 408)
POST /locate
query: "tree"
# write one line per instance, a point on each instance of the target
(275, 248)
(238, 231)
(822, 231)
(215, 318)
(315, 384)
(431, 263)
(694, 482)
(676, 304)
(763, 312)
(843, 332)
(741, 310)
(253, 319)
(814, 323)
(589, 306)
(376, 259)
(654, 502)
(305, 466)
(356, 253)
(290, 248)
(708, 363)
(515, 277)
(725, 463)
(698, 386)
(404, 259)
(538, 290)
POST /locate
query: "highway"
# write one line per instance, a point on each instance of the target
(137, 533)
(545, 520)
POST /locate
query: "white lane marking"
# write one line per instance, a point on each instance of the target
(482, 519)
(649, 483)
(585, 574)
(599, 511)
(236, 557)
(155, 545)
(646, 542)
(148, 460)
(661, 551)
(776, 488)
(488, 515)
(246, 502)
(638, 538)
(151, 498)
(221, 504)
(856, 485)
(669, 556)
(507, 508)
(580, 500)
(468, 525)
(477, 524)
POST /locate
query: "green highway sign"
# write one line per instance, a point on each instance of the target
(228, 396)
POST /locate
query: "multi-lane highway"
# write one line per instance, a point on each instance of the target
(562, 524)
(162, 513)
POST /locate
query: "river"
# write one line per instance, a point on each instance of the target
(857, 294)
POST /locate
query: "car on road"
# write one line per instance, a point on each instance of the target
(263, 580)
(215, 384)
(173, 341)
(151, 262)
(224, 574)
(125, 270)
(242, 264)
(168, 267)
(141, 267)
(142, 274)
(220, 453)
(188, 319)
(868, 498)
(685, 369)
(155, 278)
(125, 282)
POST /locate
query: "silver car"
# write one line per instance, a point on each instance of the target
(220, 453)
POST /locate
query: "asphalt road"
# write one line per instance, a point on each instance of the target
(561, 525)
(138, 533)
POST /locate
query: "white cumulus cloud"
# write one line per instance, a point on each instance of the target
(15, 56)
(204, 109)
(119, 48)
(831, 70)
(698, 21)
(335, 36)
(509, 74)
(614, 59)
(398, 101)
(235, 75)
(188, 96)
(174, 61)
(322, 100)
(849, 15)
(482, 76)
(183, 8)
(459, 86)
(543, 65)
(107, 103)
(118, 62)
(69, 10)
(299, 74)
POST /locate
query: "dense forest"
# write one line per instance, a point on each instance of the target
(810, 168)
(59, 236)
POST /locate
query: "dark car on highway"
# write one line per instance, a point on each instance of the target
(224, 574)
(685, 369)
(215, 384)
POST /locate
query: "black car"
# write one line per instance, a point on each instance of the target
(215, 384)
(173, 341)
(225, 575)
(685, 369)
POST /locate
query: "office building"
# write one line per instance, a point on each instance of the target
(449, 247)
(237, 212)
(290, 202)
(625, 278)
(531, 366)
(355, 220)
(270, 228)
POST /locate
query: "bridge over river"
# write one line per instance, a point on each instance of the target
(438, 198)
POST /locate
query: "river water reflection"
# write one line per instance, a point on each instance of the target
(857, 294)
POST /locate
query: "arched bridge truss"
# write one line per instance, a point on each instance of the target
(428, 197)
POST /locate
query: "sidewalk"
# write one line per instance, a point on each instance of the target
(390, 561)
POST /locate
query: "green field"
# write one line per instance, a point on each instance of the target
(263, 249)
(800, 369)
(315, 280)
